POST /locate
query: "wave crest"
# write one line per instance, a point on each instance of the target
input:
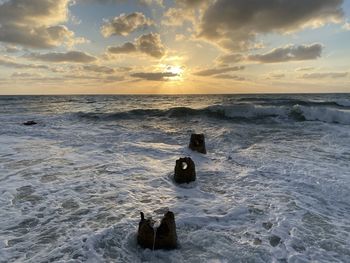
(243, 112)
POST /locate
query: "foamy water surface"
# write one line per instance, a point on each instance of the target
(274, 186)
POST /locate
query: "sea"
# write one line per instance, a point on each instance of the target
(273, 187)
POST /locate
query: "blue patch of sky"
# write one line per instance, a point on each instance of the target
(92, 17)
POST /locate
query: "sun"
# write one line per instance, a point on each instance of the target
(177, 71)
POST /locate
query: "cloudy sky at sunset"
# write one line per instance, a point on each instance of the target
(178, 46)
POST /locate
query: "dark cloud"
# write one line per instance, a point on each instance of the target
(124, 24)
(35, 23)
(141, 2)
(289, 53)
(229, 59)
(234, 24)
(106, 79)
(154, 76)
(190, 3)
(149, 44)
(38, 37)
(333, 75)
(228, 76)
(113, 79)
(81, 78)
(33, 11)
(123, 49)
(216, 71)
(70, 56)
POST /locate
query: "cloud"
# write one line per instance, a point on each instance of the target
(35, 23)
(190, 3)
(106, 79)
(276, 76)
(78, 78)
(99, 69)
(124, 24)
(154, 76)
(10, 63)
(228, 76)
(216, 71)
(70, 56)
(123, 49)
(10, 49)
(180, 37)
(234, 24)
(333, 75)
(41, 12)
(38, 37)
(346, 26)
(149, 44)
(304, 69)
(281, 54)
(141, 2)
(177, 16)
(25, 75)
(289, 53)
(151, 2)
(183, 11)
(229, 59)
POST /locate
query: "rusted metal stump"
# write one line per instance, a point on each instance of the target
(29, 123)
(185, 171)
(197, 143)
(162, 237)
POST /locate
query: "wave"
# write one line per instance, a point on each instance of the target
(239, 112)
(324, 114)
(243, 112)
(343, 102)
(291, 102)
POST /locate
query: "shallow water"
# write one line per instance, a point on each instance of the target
(274, 186)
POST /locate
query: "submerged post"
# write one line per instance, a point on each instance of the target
(185, 171)
(197, 143)
(162, 237)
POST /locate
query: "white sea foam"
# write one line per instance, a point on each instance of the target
(325, 114)
(71, 187)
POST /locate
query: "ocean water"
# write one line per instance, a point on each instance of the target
(274, 186)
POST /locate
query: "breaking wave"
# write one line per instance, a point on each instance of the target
(324, 114)
(239, 112)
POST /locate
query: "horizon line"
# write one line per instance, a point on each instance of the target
(173, 94)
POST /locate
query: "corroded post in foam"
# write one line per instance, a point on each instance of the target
(197, 143)
(29, 123)
(162, 237)
(185, 171)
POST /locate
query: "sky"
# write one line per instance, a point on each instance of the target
(174, 47)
